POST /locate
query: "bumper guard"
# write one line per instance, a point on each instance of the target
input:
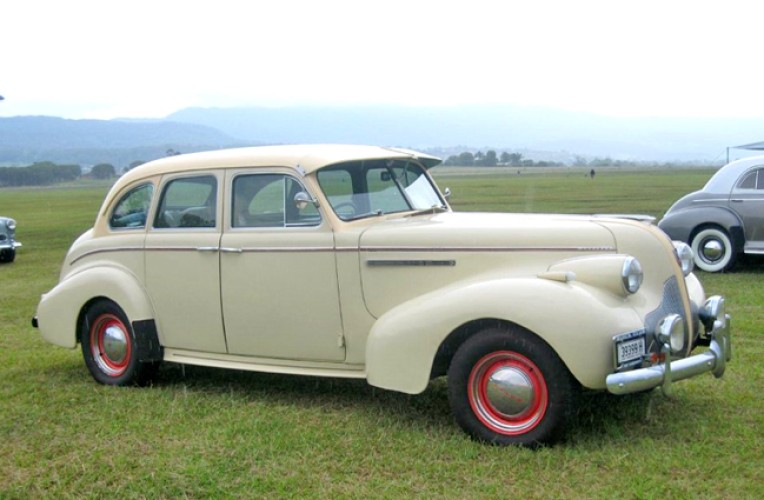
(714, 360)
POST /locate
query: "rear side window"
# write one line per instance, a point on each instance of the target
(131, 210)
(752, 180)
(188, 202)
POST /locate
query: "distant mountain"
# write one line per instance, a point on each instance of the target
(27, 139)
(504, 127)
(538, 133)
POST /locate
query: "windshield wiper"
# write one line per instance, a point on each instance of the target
(432, 210)
(373, 213)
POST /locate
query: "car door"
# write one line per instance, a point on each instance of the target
(183, 263)
(278, 272)
(747, 200)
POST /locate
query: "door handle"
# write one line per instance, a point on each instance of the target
(737, 200)
(230, 250)
(207, 249)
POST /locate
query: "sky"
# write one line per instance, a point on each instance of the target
(147, 59)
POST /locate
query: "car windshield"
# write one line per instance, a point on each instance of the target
(365, 188)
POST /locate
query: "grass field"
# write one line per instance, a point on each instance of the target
(203, 432)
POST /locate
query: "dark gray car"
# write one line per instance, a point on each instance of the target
(725, 218)
(8, 243)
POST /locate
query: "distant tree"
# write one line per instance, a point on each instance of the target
(490, 159)
(479, 157)
(580, 161)
(466, 159)
(103, 171)
(515, 159)
(505, 158)
(451, 161)
(172, 152)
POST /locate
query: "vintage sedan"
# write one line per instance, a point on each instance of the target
(725, 218)
(8, 243)
(347, 261)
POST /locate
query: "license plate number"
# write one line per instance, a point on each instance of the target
(630, 350)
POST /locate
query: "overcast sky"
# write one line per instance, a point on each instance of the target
(99, 59)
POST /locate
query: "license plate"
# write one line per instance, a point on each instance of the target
(630, 350)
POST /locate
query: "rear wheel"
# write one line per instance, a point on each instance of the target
(507, 386)
(109, 347)
(713, 249)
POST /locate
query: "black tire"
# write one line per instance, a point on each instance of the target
(508, 387)
(714, 250)
(109, 347)
(8, 255)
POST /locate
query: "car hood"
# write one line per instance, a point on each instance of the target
(469, 231)
(406, 257)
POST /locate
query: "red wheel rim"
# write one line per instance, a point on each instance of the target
(508, 393)
(110, 345)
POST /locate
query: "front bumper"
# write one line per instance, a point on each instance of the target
(717, 325)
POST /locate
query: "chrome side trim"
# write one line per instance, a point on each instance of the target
(488, 249)
(353, 249)
(104, 250)
(412, 263)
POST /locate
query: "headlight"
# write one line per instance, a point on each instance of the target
(685, 256)
(11, 224)
(631, 275)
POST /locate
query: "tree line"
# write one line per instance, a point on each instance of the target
(46, 173)
(491, 159)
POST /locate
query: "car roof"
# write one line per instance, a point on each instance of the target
(725, 177)
(309, 157)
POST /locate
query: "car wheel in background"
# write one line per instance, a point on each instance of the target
(506, 386)
(713, 249)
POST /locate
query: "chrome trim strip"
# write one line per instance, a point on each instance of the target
(286, 249)
(104, 250)
(411, 263)
(354, 249)
(488, 249)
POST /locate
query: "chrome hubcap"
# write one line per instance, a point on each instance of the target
(509, 391)
(713, 250)
(115, 343)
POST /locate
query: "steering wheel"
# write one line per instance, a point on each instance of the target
(345, 204)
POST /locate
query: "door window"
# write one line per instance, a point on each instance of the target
(188, 202)
(267, 200)
(131, 210)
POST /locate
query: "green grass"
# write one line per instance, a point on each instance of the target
(202, 432)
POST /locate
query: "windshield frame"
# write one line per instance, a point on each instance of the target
(366, 188)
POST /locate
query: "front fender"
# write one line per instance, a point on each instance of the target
(59, 309)
(577, 320)
(681, 224)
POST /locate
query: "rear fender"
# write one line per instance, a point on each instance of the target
(681, 225)
(59, 310)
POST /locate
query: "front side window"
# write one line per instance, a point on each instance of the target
(267, 200)
(188, 202)
(131, 210)
(364, 188)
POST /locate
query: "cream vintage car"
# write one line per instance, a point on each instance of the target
(346, 261)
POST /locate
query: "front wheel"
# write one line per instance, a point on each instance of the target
(507, 386)
(713, 250)
(109, 347)
(7, 255)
